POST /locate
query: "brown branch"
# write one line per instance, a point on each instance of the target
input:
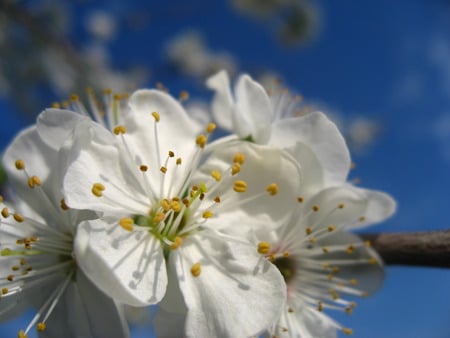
(431, 249)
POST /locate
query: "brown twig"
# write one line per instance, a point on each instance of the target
(431, 249)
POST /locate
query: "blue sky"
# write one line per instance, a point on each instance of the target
(386, 60)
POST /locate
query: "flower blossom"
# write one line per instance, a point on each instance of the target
(167, 213)
(37, 262)
(322, 263)
(252, 114)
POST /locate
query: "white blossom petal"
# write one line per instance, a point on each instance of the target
(254, 109)
(318, 133)
(220, 282)
(263, 166)
(223, 102)
(129, 267)
(95, 152)
(92, 314)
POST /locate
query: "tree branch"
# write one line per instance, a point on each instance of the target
(431, 249)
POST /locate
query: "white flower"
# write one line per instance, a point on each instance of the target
(163, 206)
(252, 114)
(37, 263)
(321, 262)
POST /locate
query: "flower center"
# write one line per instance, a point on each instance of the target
(286, 265)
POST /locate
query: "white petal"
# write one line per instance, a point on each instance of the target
(237, 294)
(223, 103)
(41, 161)
(305, 322)
(328, 201)
(380, 205)
(317, 132)
(262, 167)
(92, 158)
(84, 311)
(127, 266)
(175, 124)
(55, 126)
(254, 108)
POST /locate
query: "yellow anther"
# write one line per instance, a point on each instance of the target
(4, 291)
(143, 168)
(56, 105)
(63, 205)
(347, 331)
(235, 169)
(156, 116)
(308, 231)
(239, 158)
(41, 326)
(350, 249)
(320, 306)
(313, 240)
(15, 268)
(207, 214)
(210, 128)
(216, 175)
(353, 282)
(201, 141)
(178, 161)
(285, 254)
(5, 212)
(348, 310)
(263, 248)
(158, 217)
(120, 130)
(176, 206)
(217, 199)
(331, 228)
(18, 218)
(290, 310)
(272, 257)
(368, 243)
(341, 205)
(126, 223)
(240, 186)
(20, 164)
(325, 249)
(165, 204)
(117, 97)
(196, 269)
(163, 169)
(1, 198)
(352, 305)
(10, 278)
(65, 104)
(97, 189)
(315, 208)
(171, 153)
(272, 189)
(373, 261)
(184, 95)
(176, 243)
(22, 334)
(23, 261)
(74, 97)
(34, 181)
(362, 219)
(300, 199)
(186, 202)
(107, 91)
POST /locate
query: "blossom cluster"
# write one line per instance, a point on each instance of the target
(236, 227)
